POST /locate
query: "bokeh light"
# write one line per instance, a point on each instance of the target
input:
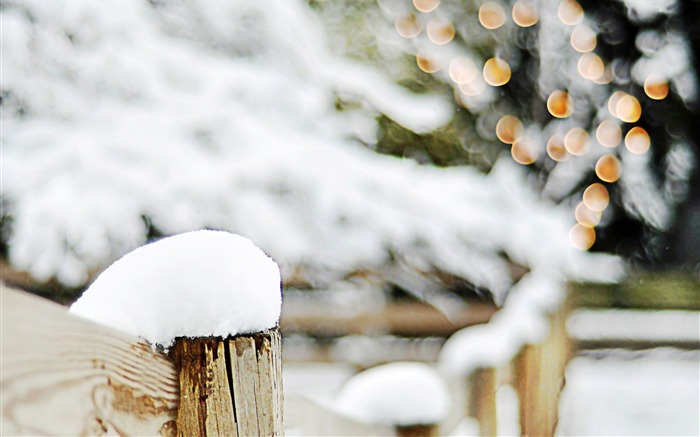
(560, 104)
(496, 72)
(473, 88)
(608, 168)
(591, 66)
(440, 32)
(596, 197)
(607, 76)
(586, 217)
(492, 15)
(407, 26)
(628, 109)
(609, 134)
(426, 5)
(524, 150)
(637, 140)
(656, 87)
(583, 39)
(463, 70)
(509, 128)
(556, 149)
(427, 63)
(525, 13)
(576, 141)
(612, 102)
(570, 12)
(582, 237)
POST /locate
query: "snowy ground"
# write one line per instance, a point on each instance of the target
(622, 393)
(633, 393)
(608, 393)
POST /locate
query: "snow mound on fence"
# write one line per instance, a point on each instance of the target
(400, 393)
(198, 284)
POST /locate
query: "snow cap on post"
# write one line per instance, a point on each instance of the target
(197, 284)
(398, 394)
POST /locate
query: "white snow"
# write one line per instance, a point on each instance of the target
(507, 411)
(654, 393)
(399, 393)
(647, 10)
(197, 284)
(611, 392)
(488, 345)
(221, 115)
(667, 325)
(522, 320)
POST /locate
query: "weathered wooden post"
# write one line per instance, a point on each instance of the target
(425, 430)
(483, 384)
(214, 299)
(231, 386)
(539, 377)
(477, 354)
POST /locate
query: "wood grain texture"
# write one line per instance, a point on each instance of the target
(539, 377)
(245, 375)
(230, 387)
(206, 406)
(256, 362)
(62, 375)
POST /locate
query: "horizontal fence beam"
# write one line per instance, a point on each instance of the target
(652, 291)
(406, 319)
(62, 375)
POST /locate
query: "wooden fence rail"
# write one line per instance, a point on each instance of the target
(539, 378)
(62, 375)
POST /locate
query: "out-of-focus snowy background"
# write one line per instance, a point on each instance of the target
(446, 152)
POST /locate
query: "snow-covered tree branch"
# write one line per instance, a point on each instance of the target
(118, 116)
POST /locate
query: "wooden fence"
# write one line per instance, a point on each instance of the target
(62, 375)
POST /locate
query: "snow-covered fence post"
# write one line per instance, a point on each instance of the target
(539, 377)
(483, 384)
(410, 397)
(477, 354)
(214, 299)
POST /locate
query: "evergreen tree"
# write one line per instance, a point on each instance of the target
(545, 80)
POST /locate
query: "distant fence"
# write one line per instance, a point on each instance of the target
(536, 371)
(62, 375)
